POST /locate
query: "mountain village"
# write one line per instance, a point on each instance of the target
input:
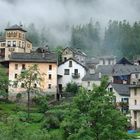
(17, 54)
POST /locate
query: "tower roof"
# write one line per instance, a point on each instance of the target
(15, 27)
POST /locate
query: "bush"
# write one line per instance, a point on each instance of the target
(51, 122)
(22, 116)
(41, 102)
(53, 119)
(72, 87)
(34, 117)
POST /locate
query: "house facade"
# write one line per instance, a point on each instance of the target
(107, 60)
(70, 71)
(47, 66)
(15, 40)
(94, 76)
(134, 106)
(121, 93)
(74, 53)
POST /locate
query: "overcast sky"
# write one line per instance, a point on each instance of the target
(55, 13)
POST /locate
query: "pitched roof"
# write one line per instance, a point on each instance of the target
(92, 61)
(105, 70)
(34, 57)
(121, 89)
(15, 27)
(76, 51)
(91, 77)
(124, 61)
(73, 60)
(120, 69)
(107, 57)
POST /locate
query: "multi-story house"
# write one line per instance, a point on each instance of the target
(121, 95)
(94, 76)
(122, 71)
(70, 71)
(74, 53)
(15, 40)
(47, 65)
(107, 60)
(134, 105)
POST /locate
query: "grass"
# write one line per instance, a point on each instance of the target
(20, 111)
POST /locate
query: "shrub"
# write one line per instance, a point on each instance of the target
(72, 87)
(41, 102)
(53, 119)
(51, 122)
(36, 117)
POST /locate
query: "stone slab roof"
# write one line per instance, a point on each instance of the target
(15, 27)
(121, 89)
(120, 69)
(105, 70)
(34, 57)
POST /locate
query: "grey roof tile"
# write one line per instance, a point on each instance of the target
(34, 57)
(121, 89)
(15, 27)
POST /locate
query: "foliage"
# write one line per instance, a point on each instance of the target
(93, 115)
(4, 82)
(122, 39)
(86, 37)
(58, 50)
(41, 102)
(54, 118)
(72, 87)
(31, 78)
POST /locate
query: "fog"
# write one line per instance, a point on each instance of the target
(57, 15)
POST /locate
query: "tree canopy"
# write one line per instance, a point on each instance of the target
(93, 115)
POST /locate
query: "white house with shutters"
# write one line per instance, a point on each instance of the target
(70, 71)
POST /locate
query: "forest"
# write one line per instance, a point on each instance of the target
(119, 38)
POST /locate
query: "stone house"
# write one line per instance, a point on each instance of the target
(14, 40)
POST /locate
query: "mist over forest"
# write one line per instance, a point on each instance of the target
(98, 27)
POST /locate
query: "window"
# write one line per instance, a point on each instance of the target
(19, 43)
(136, 75)
(76, 71)
(70, 63)
(16, 66)
(135, 102)
(135, 115)
(23, 66)
(22, 85)
(111, 89)
(19, 35)
(50, 67)
(50, 76)
(65, 58)
(9, 44)
(49, 86)
(66, 72)
(15, 34)
(14, 43)
(16, 75)
(23, 44)
(135, 91)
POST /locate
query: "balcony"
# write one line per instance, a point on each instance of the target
(134, 107)
(75, 75)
